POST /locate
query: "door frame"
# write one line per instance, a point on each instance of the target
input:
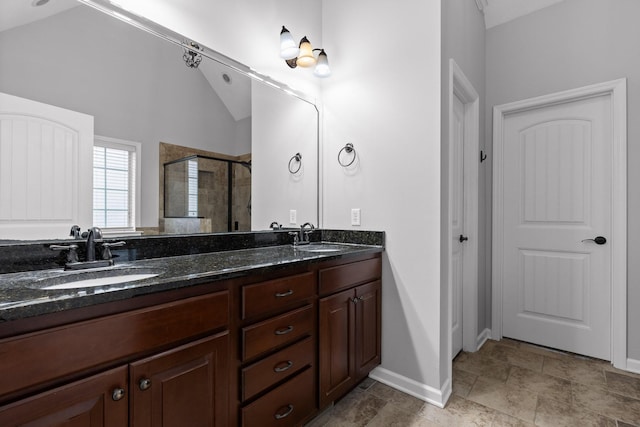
(617, 90)
(461, 87)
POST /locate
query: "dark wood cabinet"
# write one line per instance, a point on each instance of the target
(349, 329)
(254, 351)
(98, 401)
(186, 386)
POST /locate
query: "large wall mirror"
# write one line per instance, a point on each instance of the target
(218, 148)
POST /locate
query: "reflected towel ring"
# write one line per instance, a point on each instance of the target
(297, 158)
(349, 149)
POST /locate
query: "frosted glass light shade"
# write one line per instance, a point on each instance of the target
(305, 57)
(288, 47)
(322, 67)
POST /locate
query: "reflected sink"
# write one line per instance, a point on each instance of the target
(320, 248)
(90, 279)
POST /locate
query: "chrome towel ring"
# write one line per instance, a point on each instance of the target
(348, 148)
(298, 159)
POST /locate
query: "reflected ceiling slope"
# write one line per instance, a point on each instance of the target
(235, 94)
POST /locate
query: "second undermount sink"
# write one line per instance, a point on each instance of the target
(320, 248)
(90, 279)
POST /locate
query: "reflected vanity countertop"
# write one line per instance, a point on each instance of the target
(22, 295)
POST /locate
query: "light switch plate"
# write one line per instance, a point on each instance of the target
(355, 216)
(293, 216)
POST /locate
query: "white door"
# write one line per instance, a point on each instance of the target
(46, 169)
(457, 222)
(558, 194)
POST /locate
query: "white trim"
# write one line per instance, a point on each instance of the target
(482, 338)
(460, 86)
(617, 89)
(633, 365)
(413, 388)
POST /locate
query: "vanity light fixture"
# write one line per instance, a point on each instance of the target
(302, 55)
(192, 56)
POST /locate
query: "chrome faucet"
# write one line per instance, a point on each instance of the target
(93, 236)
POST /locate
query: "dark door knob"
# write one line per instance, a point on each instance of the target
(463, 238)
(598, 240)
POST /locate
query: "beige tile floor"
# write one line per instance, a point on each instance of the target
(506, 383)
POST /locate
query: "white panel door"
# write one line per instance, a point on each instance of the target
(46, 169)
(557, 193)
(457, 223)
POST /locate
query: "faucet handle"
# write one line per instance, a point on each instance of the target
(106, 248)
(75, 231)
(72, 255)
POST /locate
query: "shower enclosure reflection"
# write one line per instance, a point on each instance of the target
(207, 194)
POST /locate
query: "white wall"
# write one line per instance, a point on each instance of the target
(572, 44)
(384, 97)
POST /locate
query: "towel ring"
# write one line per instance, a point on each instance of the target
(297, 158)
(348, 148)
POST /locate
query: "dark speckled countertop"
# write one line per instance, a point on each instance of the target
(22, 294)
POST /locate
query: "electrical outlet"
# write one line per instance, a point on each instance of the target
(355, 216)
(293, 216)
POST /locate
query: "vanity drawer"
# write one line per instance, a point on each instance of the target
(287, 405)
(58, 352)
(275, 294)
(277, 331)
(345, 276)
(276, 367)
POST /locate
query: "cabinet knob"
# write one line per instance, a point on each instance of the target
(355, 300)
(144, 384)
(118, 394)
(287, 411)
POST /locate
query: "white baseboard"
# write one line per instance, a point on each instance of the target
(407, 385)
(482, 338)
(633, 365)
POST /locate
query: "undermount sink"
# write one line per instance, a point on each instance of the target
(320, 248)
(90, 279)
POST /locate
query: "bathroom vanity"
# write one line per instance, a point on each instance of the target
(264, 336)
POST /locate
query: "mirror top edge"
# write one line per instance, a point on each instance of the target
(122, 14)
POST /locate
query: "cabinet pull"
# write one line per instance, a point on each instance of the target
(144, 384)
(284, 331)
(284, 294)
(280, 415)
(288, 366)
(118, 394)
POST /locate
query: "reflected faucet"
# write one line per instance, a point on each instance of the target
(93, 236)
(306, 229)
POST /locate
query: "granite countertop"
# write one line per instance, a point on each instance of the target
(22, 294)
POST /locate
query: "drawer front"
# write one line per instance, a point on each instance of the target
(287, 405)
(61, 351)
(276, 331)
(345, 276)
(277, 367)
(269, 296)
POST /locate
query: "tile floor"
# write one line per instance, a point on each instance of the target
(506, 383)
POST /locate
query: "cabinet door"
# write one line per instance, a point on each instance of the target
(185, 386)
(367, 328)
(97, 401)
(336, 345)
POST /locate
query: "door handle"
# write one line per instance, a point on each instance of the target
(462, 238)
(597, 240)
